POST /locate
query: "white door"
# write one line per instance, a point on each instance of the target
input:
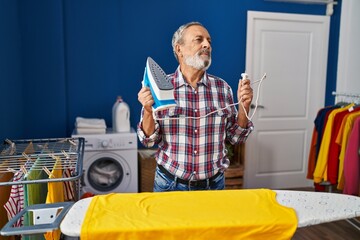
(292, 50)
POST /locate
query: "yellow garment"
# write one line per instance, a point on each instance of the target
(198, 215)
(320, 172)
(342, 139)
(55, 194)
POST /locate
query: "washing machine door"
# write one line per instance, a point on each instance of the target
(105, 173)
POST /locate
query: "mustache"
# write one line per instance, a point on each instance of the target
(207, 51)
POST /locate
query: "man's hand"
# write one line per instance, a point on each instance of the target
(146, 99)
(245, 94)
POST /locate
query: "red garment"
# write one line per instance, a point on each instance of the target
(334, 148)
(15, 204)
(352, 161)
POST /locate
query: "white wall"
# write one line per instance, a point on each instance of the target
(348, 74)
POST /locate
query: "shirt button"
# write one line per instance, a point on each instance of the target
(195, 110)
(195, 92)
(195, 152)
(195, 131)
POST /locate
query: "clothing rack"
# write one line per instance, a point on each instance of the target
(41, 155)
(342, 97)
(29, 162)
(354, 97)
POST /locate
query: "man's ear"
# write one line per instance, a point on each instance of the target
(178, 50)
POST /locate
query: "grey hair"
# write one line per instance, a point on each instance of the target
(178, 35)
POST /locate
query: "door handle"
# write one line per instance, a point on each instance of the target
(252, 106)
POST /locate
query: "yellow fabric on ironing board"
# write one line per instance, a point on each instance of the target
(198, 215)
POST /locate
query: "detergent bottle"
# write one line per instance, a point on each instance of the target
(121, 116)
(114, 112)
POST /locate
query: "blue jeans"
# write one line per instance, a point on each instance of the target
(163, 183)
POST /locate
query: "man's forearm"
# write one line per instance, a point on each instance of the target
(242, 119)
(148, 123)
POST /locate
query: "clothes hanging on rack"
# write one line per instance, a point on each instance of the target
(5, 176)
(20, 196)
(69, 191)
(39, 172)
(342, 140)
(55, 189)
(352, 161)
(4, 196)
(320, 172)
(319, 125)
(330, 142)
(55, 194)
(34, 194)
(335, 148)
(15, 201)
(44, 166)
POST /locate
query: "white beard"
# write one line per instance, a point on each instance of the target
(197, 62)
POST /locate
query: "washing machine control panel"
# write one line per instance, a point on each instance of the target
(113, 143)
(105, 143)
(110, 141)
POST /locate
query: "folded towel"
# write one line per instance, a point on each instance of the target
(90, 130)
(90, 123)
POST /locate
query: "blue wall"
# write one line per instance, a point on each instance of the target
(66, 58)
(11, 84)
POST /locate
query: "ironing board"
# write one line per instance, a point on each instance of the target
(311, 208)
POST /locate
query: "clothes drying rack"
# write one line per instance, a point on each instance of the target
(41, 155)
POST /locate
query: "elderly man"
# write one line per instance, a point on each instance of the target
(191, 140)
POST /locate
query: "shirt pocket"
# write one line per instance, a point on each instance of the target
(217, 117)
(217, 112)
(170, 113)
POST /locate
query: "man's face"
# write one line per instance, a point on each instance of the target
(196, 48)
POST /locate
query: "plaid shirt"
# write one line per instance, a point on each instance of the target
(194, 148)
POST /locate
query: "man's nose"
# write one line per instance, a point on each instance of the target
(206, 44)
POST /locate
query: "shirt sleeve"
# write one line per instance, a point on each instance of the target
(151, 140)
(234, 133)
(237, 134)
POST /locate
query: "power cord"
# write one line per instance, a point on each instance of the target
(244, 76)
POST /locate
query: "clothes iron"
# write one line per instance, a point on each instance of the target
(160, 85)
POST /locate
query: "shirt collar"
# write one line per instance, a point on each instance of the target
(180, 81)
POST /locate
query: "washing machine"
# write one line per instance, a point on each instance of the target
(110, 163)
